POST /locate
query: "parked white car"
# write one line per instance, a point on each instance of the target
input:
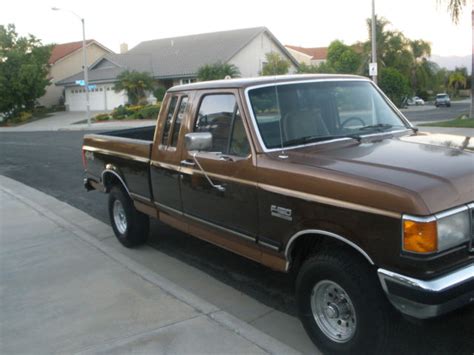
(415, 100)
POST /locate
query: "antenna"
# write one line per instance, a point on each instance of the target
(283, 154)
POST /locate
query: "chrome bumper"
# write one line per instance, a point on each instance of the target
(426, 299)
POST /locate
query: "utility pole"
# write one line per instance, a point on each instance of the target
(373, 65)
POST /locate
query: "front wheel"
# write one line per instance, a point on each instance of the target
(342, 306)
(130, 226)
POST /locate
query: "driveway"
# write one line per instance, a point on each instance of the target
(67, 121)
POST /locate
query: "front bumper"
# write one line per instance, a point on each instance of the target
(426, 299)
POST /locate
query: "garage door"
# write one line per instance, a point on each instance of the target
(101, 98)
(76, 99)
(97, 99)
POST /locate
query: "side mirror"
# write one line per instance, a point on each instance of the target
(199, 141)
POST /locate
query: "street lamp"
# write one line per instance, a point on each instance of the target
(86, 73)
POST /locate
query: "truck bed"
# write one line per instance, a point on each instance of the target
(125, 153)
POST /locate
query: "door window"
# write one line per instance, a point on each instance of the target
(179, 119)
(169, 118)
(219, 115)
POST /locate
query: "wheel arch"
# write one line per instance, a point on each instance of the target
(111, 177)
(317, 237)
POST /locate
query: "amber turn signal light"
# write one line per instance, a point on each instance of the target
(420, 237)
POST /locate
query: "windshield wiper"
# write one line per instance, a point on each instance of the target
(379, 127)
(313, 139)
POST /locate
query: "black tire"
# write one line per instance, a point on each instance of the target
(135, 230)
(373, 323)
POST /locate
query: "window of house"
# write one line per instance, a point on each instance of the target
(219, 115)
(187, 81)
(169, 118)
(179, 119)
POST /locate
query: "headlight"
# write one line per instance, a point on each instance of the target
(437, 233)
(453, 230)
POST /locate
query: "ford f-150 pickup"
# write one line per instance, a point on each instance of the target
(320, 175)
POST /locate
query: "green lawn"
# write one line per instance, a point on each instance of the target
(458, 123)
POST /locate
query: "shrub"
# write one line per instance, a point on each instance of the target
(159, 93)
(394, 84)
(120, 112)
(102, 117)
(25, 117)
(147, 112)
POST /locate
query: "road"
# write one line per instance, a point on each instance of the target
(429, 112)
(51, 162)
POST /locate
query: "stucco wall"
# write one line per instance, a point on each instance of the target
(66, 67)
(251, 58)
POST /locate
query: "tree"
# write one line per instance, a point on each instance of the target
(275, 65)
(135, 84)
(394, 85)
(454, 8)
(323, 67)
(456, 81)
(23, 71)
(342, 58)
(217, 71)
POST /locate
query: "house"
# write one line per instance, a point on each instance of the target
(174, 61)
(67, 59)
(309, 56)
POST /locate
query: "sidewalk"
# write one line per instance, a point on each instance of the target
(63, 290)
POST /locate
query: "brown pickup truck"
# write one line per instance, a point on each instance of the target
(319, 175)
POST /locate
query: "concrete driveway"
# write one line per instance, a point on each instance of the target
(57, 121)
(67, 121)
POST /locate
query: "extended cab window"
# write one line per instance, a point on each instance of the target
(179, 119)
(169, 118)
(219, 115)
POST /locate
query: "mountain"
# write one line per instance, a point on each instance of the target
(451, 62)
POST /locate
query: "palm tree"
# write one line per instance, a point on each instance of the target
(455, 8)
(457, 81)
(420, 51)
(217, 71)
(135, 84)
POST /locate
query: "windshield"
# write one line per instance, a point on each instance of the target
(295, 114)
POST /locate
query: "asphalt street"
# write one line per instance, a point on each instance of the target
(51, 162)
(429, 112)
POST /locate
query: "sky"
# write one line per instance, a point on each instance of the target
(305, 23)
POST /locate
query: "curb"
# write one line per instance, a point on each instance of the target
(224, 319)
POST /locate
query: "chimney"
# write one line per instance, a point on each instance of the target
(123, 48)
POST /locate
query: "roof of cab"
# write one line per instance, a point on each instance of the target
(262, 80)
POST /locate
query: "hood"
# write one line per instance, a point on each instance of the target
(437, 168)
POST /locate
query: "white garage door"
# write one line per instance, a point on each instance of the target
(97, 99)
(114, 99)
(76, 99)
(101, 98)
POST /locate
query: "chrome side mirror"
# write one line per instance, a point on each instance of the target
(195, 142)
(198, 141)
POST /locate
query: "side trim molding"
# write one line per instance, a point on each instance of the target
(326, 233)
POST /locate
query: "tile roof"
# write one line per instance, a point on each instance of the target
(61, 50)
(318, 53)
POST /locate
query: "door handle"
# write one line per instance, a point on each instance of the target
(189, 163)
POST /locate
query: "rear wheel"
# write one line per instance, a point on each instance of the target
(342, 306)
(130, 226)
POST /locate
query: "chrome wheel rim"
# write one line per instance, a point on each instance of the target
(120, 218)
(333, 311)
